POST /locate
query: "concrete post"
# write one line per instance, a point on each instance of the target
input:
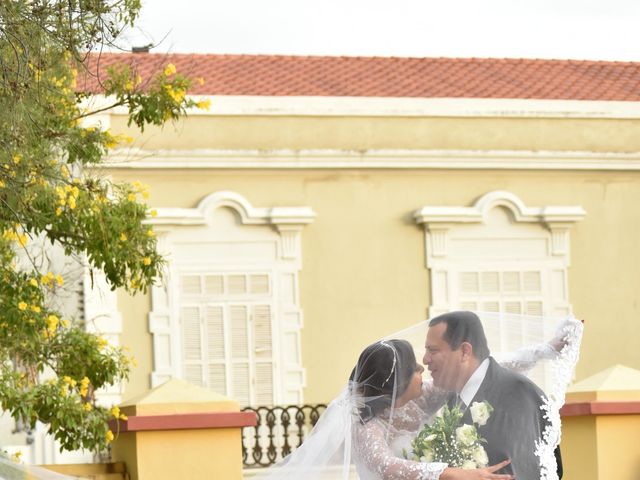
(179, 430)
(600, 427)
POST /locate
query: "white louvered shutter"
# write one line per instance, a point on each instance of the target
(501, 291)
(227, 339)
(216, 351)
(192, 344)
(240, 374)
(263, 351)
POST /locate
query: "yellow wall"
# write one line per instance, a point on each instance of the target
(169, 455)
(361, 133)
(579, 448)
(601, 447)
(364, 271)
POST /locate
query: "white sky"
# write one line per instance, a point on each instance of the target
(577, 29)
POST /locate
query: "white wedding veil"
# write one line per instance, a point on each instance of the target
(544, 348)
(10, 469)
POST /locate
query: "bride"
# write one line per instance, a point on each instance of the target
(385, 403)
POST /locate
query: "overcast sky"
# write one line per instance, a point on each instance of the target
(577, 29)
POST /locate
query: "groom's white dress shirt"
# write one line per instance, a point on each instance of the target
(473, 384)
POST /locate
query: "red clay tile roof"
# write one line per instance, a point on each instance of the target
(271, 75)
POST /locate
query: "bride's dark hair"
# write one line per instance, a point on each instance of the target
(384, 369)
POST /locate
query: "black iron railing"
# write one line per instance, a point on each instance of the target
(280, 430)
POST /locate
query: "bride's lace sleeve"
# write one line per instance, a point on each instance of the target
(375, 453)
(525, 359)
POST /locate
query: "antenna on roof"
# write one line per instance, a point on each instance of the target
(142, 49)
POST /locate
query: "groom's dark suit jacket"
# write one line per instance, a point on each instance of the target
(516, 422)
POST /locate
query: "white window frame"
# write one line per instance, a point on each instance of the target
(443, 224)
(285, 225)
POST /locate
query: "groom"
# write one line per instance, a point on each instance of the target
(458, 358)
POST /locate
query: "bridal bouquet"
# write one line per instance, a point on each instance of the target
(450, 441)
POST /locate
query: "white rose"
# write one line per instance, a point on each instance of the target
(466, 434)
(427, 456)
(480, 457)
(468, 465)
(480, 412)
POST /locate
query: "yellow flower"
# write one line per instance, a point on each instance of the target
(128, 86)
(72, 203)
(58, 211)
(22, 305)
(131, 197)
(145, 194)
(123, 417)
(153, 213)
(59, 280)
(146, 261)
(47, 279)
(87, 407)
(200, 81)
(84, 386)
(170, 69)
(115, 411)
(109, 436)
(1, 184)
(52, 323)
(35, 308)
(123, 237)
(16, 158)
(150, 233)
(17, 455)
(23, 239)
(33, 282)
(138, 80)
(176, 95)
(204, 104)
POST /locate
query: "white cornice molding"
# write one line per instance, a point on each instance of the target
(549, 215)
(371, 159)
(420, 107)
(280, 217)
(400, 107)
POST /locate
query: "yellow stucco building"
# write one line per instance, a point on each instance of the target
(323, 203)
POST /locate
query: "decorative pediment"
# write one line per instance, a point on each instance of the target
(280, 217)
(479, 211)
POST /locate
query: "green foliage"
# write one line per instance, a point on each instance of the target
(50, 367)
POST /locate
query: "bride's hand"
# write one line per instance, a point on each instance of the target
(568, 325)
(477, 474)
